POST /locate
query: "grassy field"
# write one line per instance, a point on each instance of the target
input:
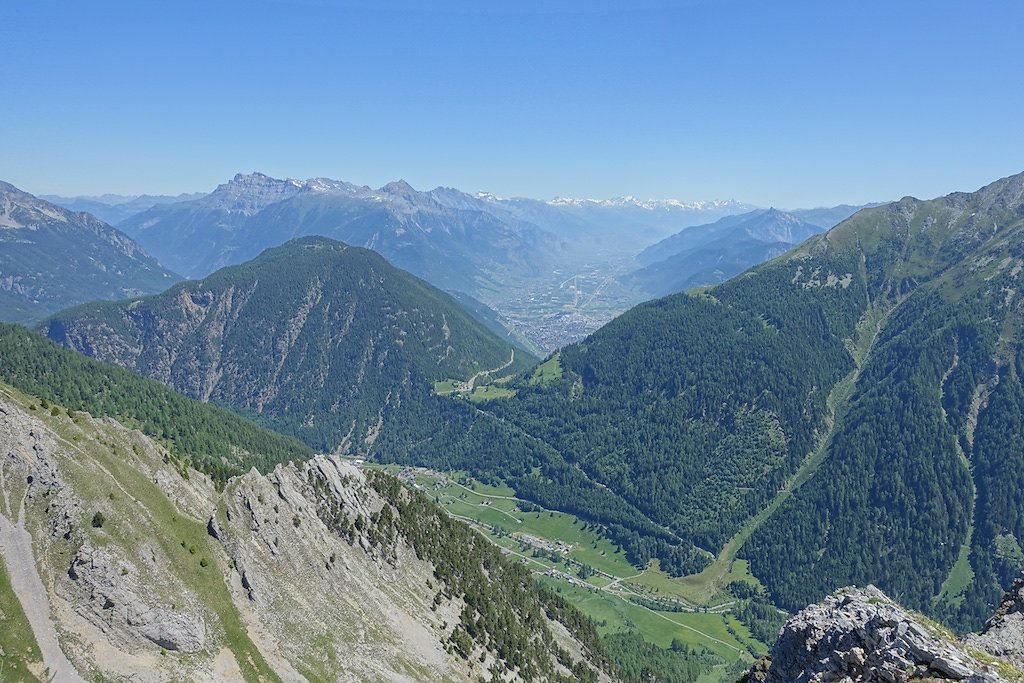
(446, 386)
(497, 508)
(488, 392)
(960, 576)
(548, 371)
(710, 631)
(703, 589)
(574, 559)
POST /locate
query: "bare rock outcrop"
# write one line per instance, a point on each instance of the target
(861, 635)
(114, 603)
(1003, 635)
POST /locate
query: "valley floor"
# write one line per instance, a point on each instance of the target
(577, 561)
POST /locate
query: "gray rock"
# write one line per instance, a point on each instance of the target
(861, 635)
(951, 668)
(177, 631)
(113, 601)
(1003, 635)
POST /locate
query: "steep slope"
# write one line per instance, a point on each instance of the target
(451, 247)
(709, 254)
(145, 571)
(878, 361)
(317, 339)
(52, 258)
(920, 484)
(206, 437)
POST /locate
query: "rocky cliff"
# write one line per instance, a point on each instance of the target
(126, 565)
(1003, 635)
(862, 635)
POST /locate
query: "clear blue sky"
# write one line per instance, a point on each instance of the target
(771, 101)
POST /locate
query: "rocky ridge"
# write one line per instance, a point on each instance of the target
(149, 573)
(859, 635)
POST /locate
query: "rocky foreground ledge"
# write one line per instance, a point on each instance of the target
(859, 634)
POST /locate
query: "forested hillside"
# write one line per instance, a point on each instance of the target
(922, 484)
(879, 362)
(208, 438)
(316, 339)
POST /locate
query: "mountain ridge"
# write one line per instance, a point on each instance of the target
(157, 574)
(315, 338)
(53, 258)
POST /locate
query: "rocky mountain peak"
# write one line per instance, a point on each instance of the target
(779, 214)
(399, 187)
(862, 635)
(21, 209)
(248, 193)
(7, 188)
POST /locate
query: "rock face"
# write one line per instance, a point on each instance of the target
(1003, 635)
(114, 601)
(143, 571)
(861, 635)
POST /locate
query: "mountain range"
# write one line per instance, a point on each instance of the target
(114, 208)
(712, 253)
(513, 255)
(51, 258)
(548, 272)
(453, 248)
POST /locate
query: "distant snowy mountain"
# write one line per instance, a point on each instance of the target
(447, 240)
(611, 227)
(649, 204)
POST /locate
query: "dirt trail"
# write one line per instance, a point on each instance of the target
(16, 547)
(469, 384)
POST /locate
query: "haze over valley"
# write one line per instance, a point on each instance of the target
(702, 361)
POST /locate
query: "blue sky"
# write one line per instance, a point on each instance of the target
(771, 102)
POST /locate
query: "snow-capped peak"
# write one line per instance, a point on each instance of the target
(649, 204)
